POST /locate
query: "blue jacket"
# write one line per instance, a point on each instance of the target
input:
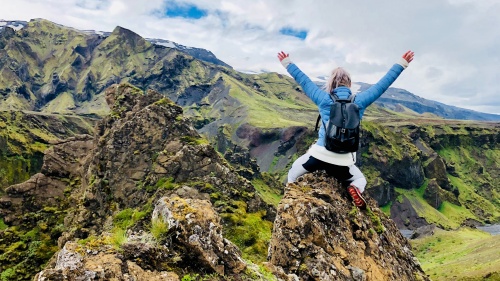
(323, 100)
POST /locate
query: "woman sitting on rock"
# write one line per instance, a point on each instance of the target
(338, 165)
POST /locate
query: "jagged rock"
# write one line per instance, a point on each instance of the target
(435, 195)
(199, 231)
(74, 262)
(145, 150)
(67, 156)
(436, 169)
(381, 191)
(46, 189)
(320, 235)
(407, 217)
(423, 231)
(432, 194)
(139, 144)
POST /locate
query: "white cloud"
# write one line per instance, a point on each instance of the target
(456, 41)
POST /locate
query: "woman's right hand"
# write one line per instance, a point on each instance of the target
(408, 56)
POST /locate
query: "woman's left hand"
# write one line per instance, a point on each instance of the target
(282, 56)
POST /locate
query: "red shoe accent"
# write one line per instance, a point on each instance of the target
(359, 201)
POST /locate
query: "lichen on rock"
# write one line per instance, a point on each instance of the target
(320, 235)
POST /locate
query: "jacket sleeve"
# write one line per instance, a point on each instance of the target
(367, 97)
(311, 89)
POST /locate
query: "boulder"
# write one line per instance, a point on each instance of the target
(319, 234)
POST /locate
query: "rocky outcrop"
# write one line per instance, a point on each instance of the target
(320, 235)
(101, 191)
(435, 195)
(75, 262)
(199, 232)
(405, 216)
(46, 189)
(436, 169)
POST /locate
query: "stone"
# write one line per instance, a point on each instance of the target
(320, 235)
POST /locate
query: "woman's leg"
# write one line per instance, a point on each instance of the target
(358, 179)
(298, 169)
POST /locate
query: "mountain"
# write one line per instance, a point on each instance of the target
(14, 24)
(399, 100)
(395, 99)
(198, 53)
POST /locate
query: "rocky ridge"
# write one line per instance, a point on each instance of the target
(147, 197)
(92, 189)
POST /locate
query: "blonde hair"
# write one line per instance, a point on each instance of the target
(339, 77)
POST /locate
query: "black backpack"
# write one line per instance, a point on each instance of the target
(342, 132)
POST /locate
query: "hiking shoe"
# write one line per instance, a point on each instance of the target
(359, 201)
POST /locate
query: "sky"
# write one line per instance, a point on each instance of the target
(456, 42)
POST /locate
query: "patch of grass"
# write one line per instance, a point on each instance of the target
(249, 231)
(159, 228)
(118, 237)
(8, 274)
(128, 217)
(386, 209)
(458, 255)
(165, 183)
(425, 210)
(377, 223)
(3, 226)
(471, 199)
(194, 140)
(267, 193)
(265, 110)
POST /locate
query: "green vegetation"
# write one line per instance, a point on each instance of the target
(128, 218)
(159, 228)
(24, 249)
(264, 108)
(465, 254)
(249, 231)
(3, 226)
(270, 195)
(448, 216)
(118, 237)
(194, 140)
(377, 223)
(24, 138)
(386, 209)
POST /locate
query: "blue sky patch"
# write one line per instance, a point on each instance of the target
(184, 11)
(301, 34)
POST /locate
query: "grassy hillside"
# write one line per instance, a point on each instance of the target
(465, 254)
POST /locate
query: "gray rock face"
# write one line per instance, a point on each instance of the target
(320, 235)
(199, 230)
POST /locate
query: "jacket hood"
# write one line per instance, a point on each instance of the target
(342, 92)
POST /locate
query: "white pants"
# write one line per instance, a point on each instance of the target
(297, 170)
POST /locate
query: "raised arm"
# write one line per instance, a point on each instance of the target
(311, 89)
(365, 98)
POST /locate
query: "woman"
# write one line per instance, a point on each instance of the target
(339, 165)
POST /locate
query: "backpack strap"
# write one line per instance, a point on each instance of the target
(317, 123)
